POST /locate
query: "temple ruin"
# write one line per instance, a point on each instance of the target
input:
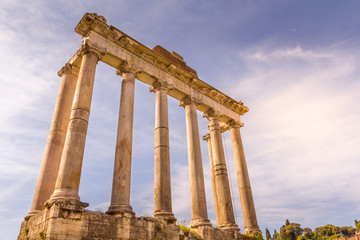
(57, 212)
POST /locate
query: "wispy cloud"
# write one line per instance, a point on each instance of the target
(300, 133)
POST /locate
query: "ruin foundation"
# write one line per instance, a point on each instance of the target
(70, 221)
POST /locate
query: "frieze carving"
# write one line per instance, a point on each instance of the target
(171, 65)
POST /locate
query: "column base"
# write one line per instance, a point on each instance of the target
(168, 217)
(252, 230)
(65, 194)
(119, 208)
(197, 222)
(67, 204)
(230, 226)
(31, 213)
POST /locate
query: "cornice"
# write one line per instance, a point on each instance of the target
(94, 22)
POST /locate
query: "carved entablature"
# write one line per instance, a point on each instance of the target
(158, 61)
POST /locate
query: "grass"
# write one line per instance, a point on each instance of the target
(185, 227)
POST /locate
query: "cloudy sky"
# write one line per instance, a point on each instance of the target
(295, 64)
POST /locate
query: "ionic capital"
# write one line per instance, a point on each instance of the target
(161, 85)
(235, 124)
(127, 67)
(189, 100)
(68, 68)
(206, 137)
(211, 113)
(86, 48)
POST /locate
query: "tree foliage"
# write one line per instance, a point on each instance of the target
(291, 231)
(308, 233)
(348, 231)
(357, 225)
(327, 230)
(268, 235)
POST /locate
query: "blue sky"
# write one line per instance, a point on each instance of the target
(295, 64)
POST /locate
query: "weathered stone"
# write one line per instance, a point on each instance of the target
(64, 215)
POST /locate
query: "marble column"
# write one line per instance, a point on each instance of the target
(246, 198)
(216, 204)
(226, 211)
(55, 143)
(162, 183)
(68, 180)
(120, 197)
(199, 216)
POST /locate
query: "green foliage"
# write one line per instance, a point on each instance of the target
(291, 231)
(327, 230)
(276, 235)
(26, 232)
(258, 236)
(348, 231)
(41, 234)
(287, 223)
(308, 233)
(183, 226)
(357, 225)
(267, 234)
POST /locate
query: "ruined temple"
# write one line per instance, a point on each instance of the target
(57, 212)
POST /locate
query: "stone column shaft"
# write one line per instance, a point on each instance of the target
(162, 182)
(216, 204)
(246, 198)
(226, 211)
(196, 175)
(68, 180)
(55, 143)
(120, 197)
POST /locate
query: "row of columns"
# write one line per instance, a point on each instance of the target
(59, 176)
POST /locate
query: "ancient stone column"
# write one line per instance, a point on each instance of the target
(216, 204)
(68, 180)
(246, 198)
(55, 143)
(120, 197)
(162, 183)
(226, 212)
(199, 216)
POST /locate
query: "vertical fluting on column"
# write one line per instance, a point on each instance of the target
(68, 180)
(120, 197)
(55, 143)
(226, 211)
(246, 198)
(199, 216)
(162, 183)
(216, 204)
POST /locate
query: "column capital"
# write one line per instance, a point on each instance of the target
(189, 100)
(68, 68)
(211, 113)
(86, 48)
(234, 124)
(206, 137)
(161, 85)
(127, 67)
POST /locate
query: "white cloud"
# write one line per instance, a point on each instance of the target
(301, 132)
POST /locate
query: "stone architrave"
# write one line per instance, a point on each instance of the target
(196, 175)
(55, 143)
(226, 211)
(68, 180)
(246, 198)
(162, 182)
(120, 197)
(207, 139)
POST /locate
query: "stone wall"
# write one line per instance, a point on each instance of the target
(62, 221)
